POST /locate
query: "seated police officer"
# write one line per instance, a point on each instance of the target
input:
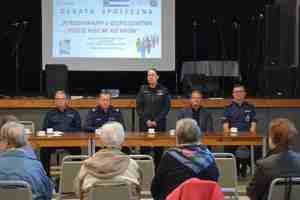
(240, 115)
(104, 112)
(61, 118)
(196, 111)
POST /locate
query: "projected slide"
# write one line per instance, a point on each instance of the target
(107, 29)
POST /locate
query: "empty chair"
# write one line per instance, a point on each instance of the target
(29, 126)
(284, 189)
(69, 170)
(110, 190)
(226, 163)
(19, 190)
(146, 164)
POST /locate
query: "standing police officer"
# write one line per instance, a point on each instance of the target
(153, 105)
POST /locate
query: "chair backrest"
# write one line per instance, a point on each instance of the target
(109, 190)
(146, 165)
(195, 189)
(226, 164)
(69, 169)
(284, 189)
(29, 126)
(20, 190)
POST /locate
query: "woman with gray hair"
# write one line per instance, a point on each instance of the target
(109, 164)
(189, 159)
(16, 164)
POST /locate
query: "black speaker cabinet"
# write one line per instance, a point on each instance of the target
(56, 77)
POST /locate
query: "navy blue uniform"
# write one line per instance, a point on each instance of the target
(153, 104)
(66, 121)
(97, 117)
(240, 116)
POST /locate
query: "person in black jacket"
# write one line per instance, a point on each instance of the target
(190, 159)
(104, 112)
(281, 161)
(197, 112)
(61, 118)
(153, 105)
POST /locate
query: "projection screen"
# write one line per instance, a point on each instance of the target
(109, 35)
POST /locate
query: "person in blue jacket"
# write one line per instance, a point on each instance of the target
(241, 115)
(104, 112)
(16, 164)
(61, 118)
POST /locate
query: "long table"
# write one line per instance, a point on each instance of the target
(163, 139)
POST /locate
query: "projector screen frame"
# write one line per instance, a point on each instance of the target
(166, 63)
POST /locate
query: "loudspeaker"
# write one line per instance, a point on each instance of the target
(208, 85)
(56, 79)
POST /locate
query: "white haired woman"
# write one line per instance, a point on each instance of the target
(109, 164)
(17, 164)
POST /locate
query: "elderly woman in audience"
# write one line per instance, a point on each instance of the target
(11, 118)
(281, 161)
(16, 164)
(189, 159)
(8, 118)
(109, 164)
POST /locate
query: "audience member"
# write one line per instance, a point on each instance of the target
(12, 118)
(109, 164)
(16, 164)
(190, 159)
(281, 161)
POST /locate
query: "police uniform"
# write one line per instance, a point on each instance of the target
(66, 121)
(153, 104)
(240, 116)
(97, 117)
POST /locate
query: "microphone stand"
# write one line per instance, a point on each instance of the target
(238, 46)
(223, 55)
(20, 29)
(195, 26)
